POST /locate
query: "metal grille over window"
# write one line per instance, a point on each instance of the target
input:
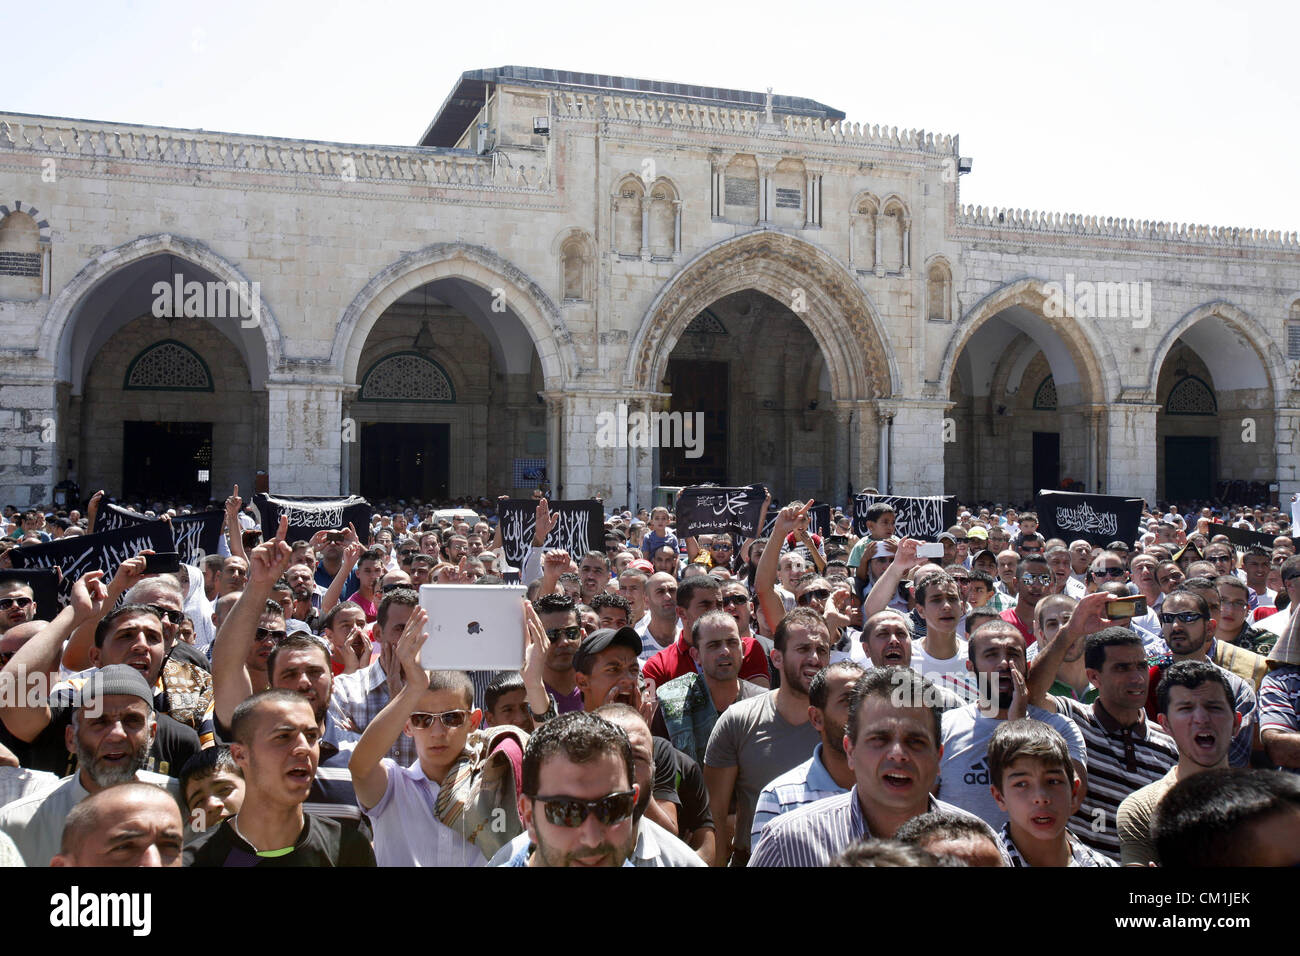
(706, 323)
(168, 366)
(1191, 396)
(406, 377)
(1045, 397)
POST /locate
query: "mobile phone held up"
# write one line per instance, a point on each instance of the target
(164, 562)
(1126, 607)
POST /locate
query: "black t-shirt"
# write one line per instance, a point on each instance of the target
(322, 842)
(173, 744)
(665, 785)
(693, 815)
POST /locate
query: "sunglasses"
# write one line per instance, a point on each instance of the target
(571, 812)
(264, 634)
(167, 614)
(7, 603)
(571, 633)
(735, 600)
(1187, 617)
(1108, 573)
(821, 594)
(450, 719)
(406, 557)
(1036, 578)
(720, 547)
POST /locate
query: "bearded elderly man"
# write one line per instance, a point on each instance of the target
(112, 728)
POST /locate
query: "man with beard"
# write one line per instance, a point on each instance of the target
(892, 743)
(689, 705)
(110, 733)
(277, 746)
(759, 739)
(696, 596)
(997, 659)
(1188, 621)
(1195, 708)
(132, 634)
(579, 795)
(827, 772)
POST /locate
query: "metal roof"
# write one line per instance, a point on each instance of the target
(471, 92)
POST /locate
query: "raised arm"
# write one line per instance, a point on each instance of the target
(231, 684)
(1086, 619)
(886, 586)
(351, 555)
(92, 510)
(369, 778)
(76, 655)
(234, 531)
(769, 603)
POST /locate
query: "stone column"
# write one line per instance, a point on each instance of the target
(1286, 431)
(916, 446)
(677, 227)
(766, 169)
(31, 443)
(718, 204)
(879, 263)
(645, 226)
(907, 247)
(304, 453)
(1131, 458)
(840, 469)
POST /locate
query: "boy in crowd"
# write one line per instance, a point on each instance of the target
(212, 788)
(1032, 778)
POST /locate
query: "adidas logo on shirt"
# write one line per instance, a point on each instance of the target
(978, 774)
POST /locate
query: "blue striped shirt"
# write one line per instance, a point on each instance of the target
(805, 784)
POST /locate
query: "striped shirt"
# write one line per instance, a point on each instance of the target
(1120, 761)
(1278, 696)
(1080, 855)
(816, 834)
(360, 697)
(805, 784)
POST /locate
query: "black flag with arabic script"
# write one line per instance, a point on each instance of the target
(1097, 519)
(704, 510)
(309, 514)
(923, 518)
(102, 551)
(194, 535)
(581, 527)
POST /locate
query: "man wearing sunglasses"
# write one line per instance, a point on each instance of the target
(17, 604)
(1033, 582)
(559, 617)
(1188, 618)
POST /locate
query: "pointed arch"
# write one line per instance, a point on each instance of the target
(1249, 334)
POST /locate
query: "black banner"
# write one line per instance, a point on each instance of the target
(1242, 538)
(1097, 519)
(921, 518)
(581, 527)
(819, 520)
(102, 551)
(45, 589)
(194, 535)
(710, 510)
(307, 515)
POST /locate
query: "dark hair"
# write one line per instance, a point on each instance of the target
(890, 853)
(403, 597)
(1185, 590)
(878, 510)
(975, 574)
(1094, 645)
(328, 620)
(687, 588)
(372, 554)
(802, 616)
(106, 623)
(1290, 568)
(503, 682)
(1023, 564)
(455, 681)
(604, 558)
(895, 684)
(245, 715)
(605, 599)
(580, 738)
(979, 617)
(1231, 580)
(819, 690)
(1014, 739)
(554, 604)
(945, 825)
(1199, 821)
(205, 763)
(296, 641)
(1191, 674)
(934, 580)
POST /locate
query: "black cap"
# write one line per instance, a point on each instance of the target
(114, 679)
(598, 641)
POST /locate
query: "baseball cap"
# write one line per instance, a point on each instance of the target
(115, 679)
(641, 564)
(598, 641)
(978, 533)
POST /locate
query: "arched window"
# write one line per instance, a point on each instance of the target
(168, 366)
(893, 225)
(406, 377)
(1191, 396)
(1045, 395)
(574, 262)
(939, 292)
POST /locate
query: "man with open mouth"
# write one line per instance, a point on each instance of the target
(277, 745)
(1195, 705)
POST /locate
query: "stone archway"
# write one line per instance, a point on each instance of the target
(837, 312)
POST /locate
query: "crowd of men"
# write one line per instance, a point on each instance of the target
(795, 699)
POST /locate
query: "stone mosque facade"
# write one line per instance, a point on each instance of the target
(185, 310)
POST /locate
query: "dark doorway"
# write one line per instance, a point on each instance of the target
(405, 461)
(1189, 467)
(162, 460)
(1047, 461)
(697, 387)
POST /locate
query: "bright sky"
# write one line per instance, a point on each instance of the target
(1149, 110)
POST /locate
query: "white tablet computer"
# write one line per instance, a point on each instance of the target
(473, 627)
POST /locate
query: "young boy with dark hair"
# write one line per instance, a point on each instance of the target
(212, 788)
(1033, 780)
(505, 702)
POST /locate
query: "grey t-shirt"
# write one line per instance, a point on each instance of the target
(963, 773)
(752, 736)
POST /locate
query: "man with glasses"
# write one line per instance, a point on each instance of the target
(559, 617)
(1189, 617)
(17, 603)
(578, 802)
(1033, 581)
(1234, 624)
(1277, 624)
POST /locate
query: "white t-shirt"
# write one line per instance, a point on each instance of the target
(949, 673)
